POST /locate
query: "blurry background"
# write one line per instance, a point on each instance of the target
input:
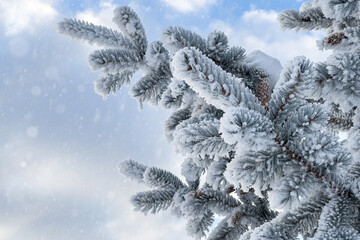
(60, 143)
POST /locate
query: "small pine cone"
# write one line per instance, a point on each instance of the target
(263, 91)
(261, 84)
(334, 39)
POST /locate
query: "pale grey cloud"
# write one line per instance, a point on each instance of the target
(18, 15)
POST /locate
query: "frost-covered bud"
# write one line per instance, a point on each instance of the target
(157, 56)
(216, 46)
(132, 170)
(248, 129)
(130, 25)
(320, 148)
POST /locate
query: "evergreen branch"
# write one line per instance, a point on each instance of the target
(212, 83)
(353, 142)
(158, 58)
(153, 201)
(217, 45)
(179, 94)
(330, 179)
(161, 179)
(354, 179)
(201, 139)
(176, 38)
(215, 174)
(174, 120)
(290, 189)
(198, 226)
(192, 172)
(343, 8)
(306, 216)
(223, 231)
(150, 88)
(306, 119)
(94, 34)
(169, 101)
(234, 60)
(110, 83)
(285, 226)
(255, 207)
(133, 170)
(130, 25)
(112, 61)
(337, 219)
(256, 169)
(247, 129)
(217, 201)
(273, 230)
(310, 19)
(290, 91)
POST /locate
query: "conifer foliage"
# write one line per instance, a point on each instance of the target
(266, 160)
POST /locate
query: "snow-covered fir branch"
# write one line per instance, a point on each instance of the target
(261, 151)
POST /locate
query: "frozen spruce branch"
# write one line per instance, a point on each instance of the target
(94, 34)
(262, 155)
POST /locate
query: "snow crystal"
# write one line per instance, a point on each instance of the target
(81, 88)
(32, 131)
(36, 91)
(51, 72)
(18, 47)
(23, 164)
(60, 109)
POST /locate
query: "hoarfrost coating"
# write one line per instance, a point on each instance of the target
(272, 162)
